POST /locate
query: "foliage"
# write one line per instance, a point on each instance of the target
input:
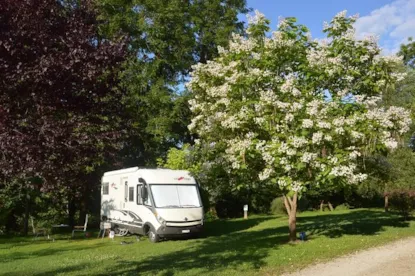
(170, 36)
(179, 159)
(231, 247)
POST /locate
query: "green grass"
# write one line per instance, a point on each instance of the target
(256, 246)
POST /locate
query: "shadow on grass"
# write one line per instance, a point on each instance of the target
(360, 222)
(228, 246)
(51, 272)
(225, 227)
(45, 252)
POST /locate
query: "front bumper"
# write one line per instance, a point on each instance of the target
(179, 231)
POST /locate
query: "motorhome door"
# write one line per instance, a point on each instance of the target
(124, 188)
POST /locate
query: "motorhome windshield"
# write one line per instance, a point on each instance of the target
(175, 196)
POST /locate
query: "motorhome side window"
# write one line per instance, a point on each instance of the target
(105, 188)
(131, 194)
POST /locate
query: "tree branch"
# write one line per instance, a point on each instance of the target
(287, 204)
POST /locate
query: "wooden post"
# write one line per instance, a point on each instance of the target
(245, 211)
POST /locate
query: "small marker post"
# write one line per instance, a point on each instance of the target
(245, 211)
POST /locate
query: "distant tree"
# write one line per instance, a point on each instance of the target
(407, 51)
(262, 106)
(381, 166)
(402, 190)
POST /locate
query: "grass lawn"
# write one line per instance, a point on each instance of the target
(256, 246)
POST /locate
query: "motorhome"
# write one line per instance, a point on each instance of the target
(156, 202)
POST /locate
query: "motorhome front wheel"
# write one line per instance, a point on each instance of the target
(152, 235)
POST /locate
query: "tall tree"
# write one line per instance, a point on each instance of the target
(59, 111)
(166, 38)
(262, 104)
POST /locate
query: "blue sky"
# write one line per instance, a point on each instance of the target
(392, 21)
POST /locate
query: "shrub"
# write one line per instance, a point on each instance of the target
(229, 206)
(303, 204)
(403, 202)
(342, 207)
(278, 207)
(205, 199)
(211, 215)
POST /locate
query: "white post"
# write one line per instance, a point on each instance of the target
(245, 211)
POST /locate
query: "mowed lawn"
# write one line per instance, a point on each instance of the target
(256, 246)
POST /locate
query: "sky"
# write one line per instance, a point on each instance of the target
(393, 21)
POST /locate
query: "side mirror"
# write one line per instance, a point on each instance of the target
(144, 192)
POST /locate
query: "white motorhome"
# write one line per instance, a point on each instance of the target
(154, 202)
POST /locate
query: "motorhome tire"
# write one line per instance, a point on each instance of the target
(116, 229)
(152, 235)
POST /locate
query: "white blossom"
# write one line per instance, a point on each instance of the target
(307, 123)
(354, 154)
(317, 137)
(391, 143)
(265, 174)
(298, 142)
(325, 125)
(308, 157)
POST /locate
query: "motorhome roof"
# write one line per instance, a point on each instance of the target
(159, 175)
(122, 171)
(166, 176)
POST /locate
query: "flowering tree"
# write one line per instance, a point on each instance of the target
(296, 112)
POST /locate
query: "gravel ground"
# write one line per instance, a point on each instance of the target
(397, 258)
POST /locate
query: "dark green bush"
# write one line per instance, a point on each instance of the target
(342, 207)
(278, 207)
(403, 202)
(304, 204)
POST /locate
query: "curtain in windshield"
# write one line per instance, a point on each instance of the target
(175, 196)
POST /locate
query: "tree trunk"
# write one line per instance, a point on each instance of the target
(292, 225)
(386, 203)
(26, 214)
(321, 205)
(291, 206)
(83, 208)
(71, 211)
(330, 206)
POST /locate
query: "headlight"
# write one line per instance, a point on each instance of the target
(161, 220)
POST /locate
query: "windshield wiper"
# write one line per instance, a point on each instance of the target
(171, 206)
(189, 206)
